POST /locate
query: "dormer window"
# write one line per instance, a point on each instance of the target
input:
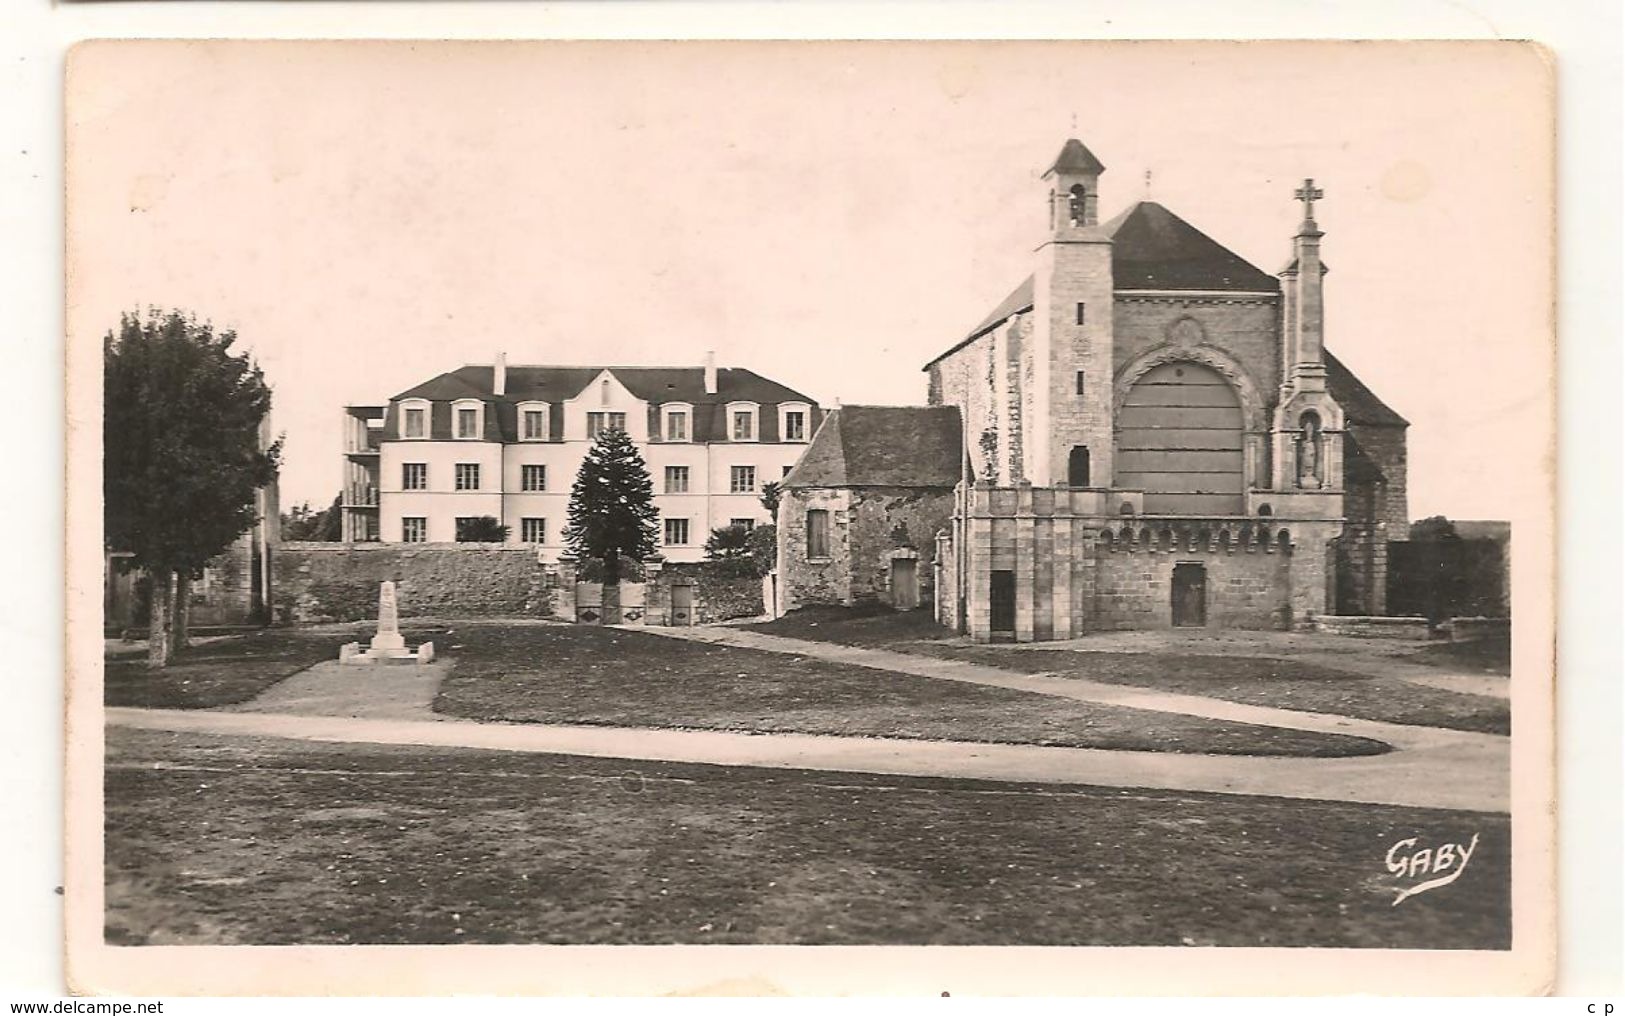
(742, 421)
(795, 420)
(468, 419)
(415, 419)
(533, 421)
(676, 425)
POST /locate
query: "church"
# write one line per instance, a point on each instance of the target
(1152, 434)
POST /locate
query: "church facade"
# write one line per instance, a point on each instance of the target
(1155, 435)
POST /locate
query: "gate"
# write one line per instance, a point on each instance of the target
(682, 604)
(623, 603)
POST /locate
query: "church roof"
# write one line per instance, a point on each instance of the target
(1075, 158)
(883, 446)
(651, 384)
(1152, 248)
(1360, 404)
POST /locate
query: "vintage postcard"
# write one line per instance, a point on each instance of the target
(840, 518)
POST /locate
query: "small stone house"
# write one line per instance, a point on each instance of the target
(862, 510)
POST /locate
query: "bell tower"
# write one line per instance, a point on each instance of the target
(1308, 422)
(1071, 443)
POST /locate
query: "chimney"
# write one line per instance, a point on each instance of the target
(710, 372)
(499, 375)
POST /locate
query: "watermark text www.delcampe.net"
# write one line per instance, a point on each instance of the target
(73, 1006)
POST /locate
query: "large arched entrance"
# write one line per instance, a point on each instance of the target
(1179, 438)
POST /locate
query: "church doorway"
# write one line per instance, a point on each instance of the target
(1190, 595)
(1180, 439)
(1002, 603)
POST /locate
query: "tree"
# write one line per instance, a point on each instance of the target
(1433, 529)
(182, 452)
(302, 522)
(481, 529)
(612, 510)
(772, 494)
(727, 543)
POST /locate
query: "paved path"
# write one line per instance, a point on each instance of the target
(1453, 780)
(1429, 767)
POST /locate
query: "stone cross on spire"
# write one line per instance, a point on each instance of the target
(1309, 194)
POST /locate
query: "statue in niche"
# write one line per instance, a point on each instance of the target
(1310, 452)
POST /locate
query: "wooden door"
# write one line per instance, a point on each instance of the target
(682, 605)
(1190, 596)
(905, 583)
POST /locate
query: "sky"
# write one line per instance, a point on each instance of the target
(832, 216)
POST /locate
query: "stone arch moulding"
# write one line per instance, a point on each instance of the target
(1252, 407)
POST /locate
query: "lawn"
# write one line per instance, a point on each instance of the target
(216, 840)
(619, 677)
(1254, 680)
(219, 672)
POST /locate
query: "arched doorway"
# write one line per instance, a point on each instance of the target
(1179, 438)
(1077, 467)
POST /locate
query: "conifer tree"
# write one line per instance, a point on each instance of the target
(612, 512)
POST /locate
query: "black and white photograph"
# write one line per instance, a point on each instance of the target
(813, 495)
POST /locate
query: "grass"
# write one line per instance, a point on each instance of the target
(1485, 656)
(218, 672)
(1254, 680)
(215, 840)
(619, 677)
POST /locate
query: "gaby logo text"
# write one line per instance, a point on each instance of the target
(1435, 866)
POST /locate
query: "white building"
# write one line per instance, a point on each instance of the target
(507, 442)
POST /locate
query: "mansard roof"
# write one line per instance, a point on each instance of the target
(651, 384)
(883, 446)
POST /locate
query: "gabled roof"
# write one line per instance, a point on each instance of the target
(651, 384)
(883, 446)
(1152, 248)
(1360, 404)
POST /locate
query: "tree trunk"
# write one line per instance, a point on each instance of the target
(181, 625)
(158, 618)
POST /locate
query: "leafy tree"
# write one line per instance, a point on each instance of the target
(302, 522)
(764, 548)
(612, 510)
(772, 494)
(182, 453)
(1433, 529)
(743, 550)
(481, 529)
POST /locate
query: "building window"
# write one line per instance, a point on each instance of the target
(468, 417)
(532, 477)
(1080, 382)
(1080, 313)
(414, 476)
(676, 532)
(817, 533)
(533, 424)
(468, 476)
(741, 479)
(795, 425)
(414, 529)
(677, 426)
(746, 524)
(677, 479)
(744, 425)
(413, 420)
(598, 423)
(533, 530)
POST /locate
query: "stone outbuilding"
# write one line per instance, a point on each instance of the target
(862, 510)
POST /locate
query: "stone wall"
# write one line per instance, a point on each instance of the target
(1246, 587)
(869, 527)
(318, 582)
(1385, 448)
(1245, 327)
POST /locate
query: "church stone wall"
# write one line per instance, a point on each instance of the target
(984, 379)
(1247, 328)
(1246, 588)
(1385, 447)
